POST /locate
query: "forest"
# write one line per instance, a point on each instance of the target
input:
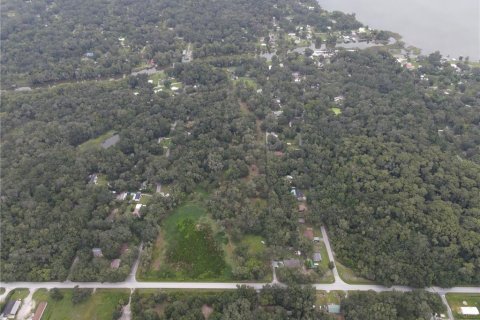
(389, 161)
(276, 303)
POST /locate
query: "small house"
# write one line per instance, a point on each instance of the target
(333, 308)
(97, 252)
(137, 196)
(11, 309)
(316, 239)
(115, 264)
(302, 207)
(301, 220)
(469, 311)
(292, 263)
(40, 310)
(317, 257)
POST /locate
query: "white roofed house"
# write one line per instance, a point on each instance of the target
(136, 211)
(470, 311)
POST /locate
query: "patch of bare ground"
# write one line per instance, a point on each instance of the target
(207, 311)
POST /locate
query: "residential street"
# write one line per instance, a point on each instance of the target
(132, 283)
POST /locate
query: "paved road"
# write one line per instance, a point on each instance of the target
(330, 256)
(132, 283)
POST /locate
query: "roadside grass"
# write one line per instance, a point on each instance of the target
(455, 300)
(328, 276)
(19, 294)
(95, 143)
(336, 111)
(349, 276)
(100, 305)
(330, 297)
(2, 290)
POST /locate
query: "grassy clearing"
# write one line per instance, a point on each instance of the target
(102, 180)
(330, 297)
(336, 111)
(247, 81)
(254, 243)
(349, 276)
(100, 305)
(157, 78)
(189, 247)
(455, 300)
(96, 142)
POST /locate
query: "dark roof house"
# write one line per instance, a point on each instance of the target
(137, 196)
(292, 263)
(317, 256)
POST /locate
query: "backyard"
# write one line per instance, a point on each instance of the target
(458, 300)
(100, 305)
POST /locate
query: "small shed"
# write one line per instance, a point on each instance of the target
(97, 252)
(317, 257)
(333, 308)
(302, 207)
(316, 239)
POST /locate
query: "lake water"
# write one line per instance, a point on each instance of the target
(449, 26)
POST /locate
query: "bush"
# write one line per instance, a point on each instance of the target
(56, 294)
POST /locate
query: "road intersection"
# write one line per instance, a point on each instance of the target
(132, 283)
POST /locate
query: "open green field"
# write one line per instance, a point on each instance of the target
(349, 276)
(337, 111)
(99, 305)
(455, 300)
(96, 142)
(189, 247)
